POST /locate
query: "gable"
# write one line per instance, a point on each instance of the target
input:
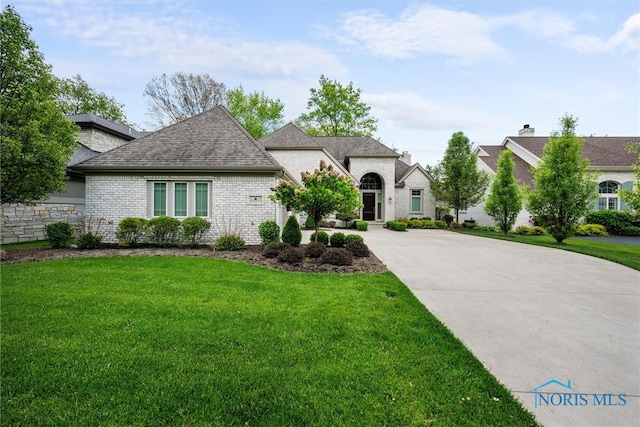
(211, 141)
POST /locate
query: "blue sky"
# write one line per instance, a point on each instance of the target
(427, 69)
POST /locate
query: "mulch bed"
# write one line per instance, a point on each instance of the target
(250, 254)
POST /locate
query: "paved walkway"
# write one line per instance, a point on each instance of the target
(532, 315)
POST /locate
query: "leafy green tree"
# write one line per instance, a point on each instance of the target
(259, 114)
(564, 188)
(632, 196)
(505, 200)
(37, 139)
(324, 191)
(183, 95)
(457, 181)
(75, 96)
(336, 110)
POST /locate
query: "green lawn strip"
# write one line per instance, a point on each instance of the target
(155, 340)
(21, 245)
(621, 254)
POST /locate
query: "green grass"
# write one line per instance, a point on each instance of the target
(621, 254)
(191, 341)
(36, 244)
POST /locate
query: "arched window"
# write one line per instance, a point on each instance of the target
(371, 181)
(608, 196)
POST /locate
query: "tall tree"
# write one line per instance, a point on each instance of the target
(632, 196)
(175, 98)
(323, 192)
(37, 140)
(457, 181)
(75, 96)
(564, 188)
(259, 114)
(337, 110)
(505, 200)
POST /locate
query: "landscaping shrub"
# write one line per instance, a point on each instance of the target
(631, 230)
(59, 234)
(358, 249)
(362, 225)
(269, 232)
(326, 223)
(337, 240)
(614, 221)
(487, 228)
(314, 250)
(397, 225)
(455, 225)
(272, 250)
(229, 242)
(448, 219)
(353, 238)
(469, 225)
(440, 223)
(425, 224)
(291, 255)
(163, 230)
(323, 237)
(524, 230)
(591, 230)
(88, 240)
(193, 230)
(310, 223)
(337, 256)
(130, 231)
(404, 219)
(291, 232)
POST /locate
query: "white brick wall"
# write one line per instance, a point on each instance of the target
(385, 167)
(238, 202)
(415, 181)
(298, 161)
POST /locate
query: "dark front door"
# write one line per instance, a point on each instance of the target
(369, 209)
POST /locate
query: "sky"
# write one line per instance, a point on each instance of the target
(426, 69)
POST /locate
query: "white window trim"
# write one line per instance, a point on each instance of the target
(173, 201)
(170, 207)
(421, 197)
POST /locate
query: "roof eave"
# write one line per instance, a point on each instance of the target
(178, 169)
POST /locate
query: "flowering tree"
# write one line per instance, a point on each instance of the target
(323, 192)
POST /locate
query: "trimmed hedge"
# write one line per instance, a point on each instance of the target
(323, 237)
(130, 231)
(362, 225)
(272, 250)
(353, 238)
(314, 250)
(337, 239)
(291, 232)
(269, 232)
(591, 230)
(397, 225)
(337, 256)
(358, 249)
(291, 255)
(614, 221)
(60, 234)
(530, 231)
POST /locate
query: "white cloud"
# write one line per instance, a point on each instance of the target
(410, 110)
(425, 29)
(628, 38)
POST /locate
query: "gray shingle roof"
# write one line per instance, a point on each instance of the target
(91, 120)
(600, 150)
(342, 147)
(211, 141)
(288, 136)
(521, 170)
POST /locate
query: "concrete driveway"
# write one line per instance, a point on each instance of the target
(560, 330)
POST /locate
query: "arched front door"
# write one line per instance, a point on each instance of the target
(371, 189)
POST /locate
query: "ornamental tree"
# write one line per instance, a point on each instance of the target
(505, 200)
(564, 188)
(36, 138)
(632, 196)
(323, 192)
(457, 181)
(256, 112)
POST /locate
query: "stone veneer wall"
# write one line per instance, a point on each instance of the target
(99, 140)
(22, 223)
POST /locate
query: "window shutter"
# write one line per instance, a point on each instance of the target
(625, 186)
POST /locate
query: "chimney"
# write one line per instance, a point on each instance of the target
(405, 158)
(526, 131)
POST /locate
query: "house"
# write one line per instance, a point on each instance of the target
(209, 166)
(390, 186)
(608, 156)
(24, 223)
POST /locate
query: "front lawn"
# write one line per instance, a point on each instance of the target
(191, 341)
(621, 254)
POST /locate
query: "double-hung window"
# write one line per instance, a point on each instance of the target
(608, 195)
(179, 199)
(416, 201)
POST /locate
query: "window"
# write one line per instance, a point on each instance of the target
(371, 181)
(179, 199)
(159, 198)
(608, 195)
(416, 200)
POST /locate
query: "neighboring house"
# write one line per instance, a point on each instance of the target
(24, 223)
(390, 187)
(207, 165)
(608, 156)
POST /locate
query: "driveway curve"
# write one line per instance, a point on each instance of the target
(560, 330)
